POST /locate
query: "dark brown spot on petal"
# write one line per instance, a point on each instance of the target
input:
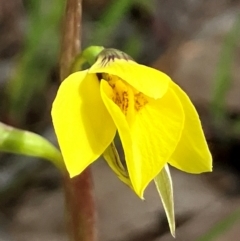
(109, 55)
(99, 76)
(140, 101)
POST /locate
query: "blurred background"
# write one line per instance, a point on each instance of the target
(196, 42)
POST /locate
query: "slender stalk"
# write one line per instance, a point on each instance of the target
(80, 207)
(80, 204)
(71, 40)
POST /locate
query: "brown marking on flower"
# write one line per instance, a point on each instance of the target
(124, 104)
(128, 99)
(99, 76)
(140, 101)
(110, 55)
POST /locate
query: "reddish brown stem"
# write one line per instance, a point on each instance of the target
(80, 205)
(71, 40)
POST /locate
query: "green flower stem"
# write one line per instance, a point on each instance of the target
(80, 207)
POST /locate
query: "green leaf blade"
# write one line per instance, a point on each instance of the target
(23, 142)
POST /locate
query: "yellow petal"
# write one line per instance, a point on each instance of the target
(149, 81)
(82, 123)
(150, 140)
(192, 153)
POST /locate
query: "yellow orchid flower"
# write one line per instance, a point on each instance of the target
(156, 121)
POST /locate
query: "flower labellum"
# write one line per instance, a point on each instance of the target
(156, 121)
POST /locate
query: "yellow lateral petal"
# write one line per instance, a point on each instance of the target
(149, 81)
(82, 123)
(192, 154)
(151, 139)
